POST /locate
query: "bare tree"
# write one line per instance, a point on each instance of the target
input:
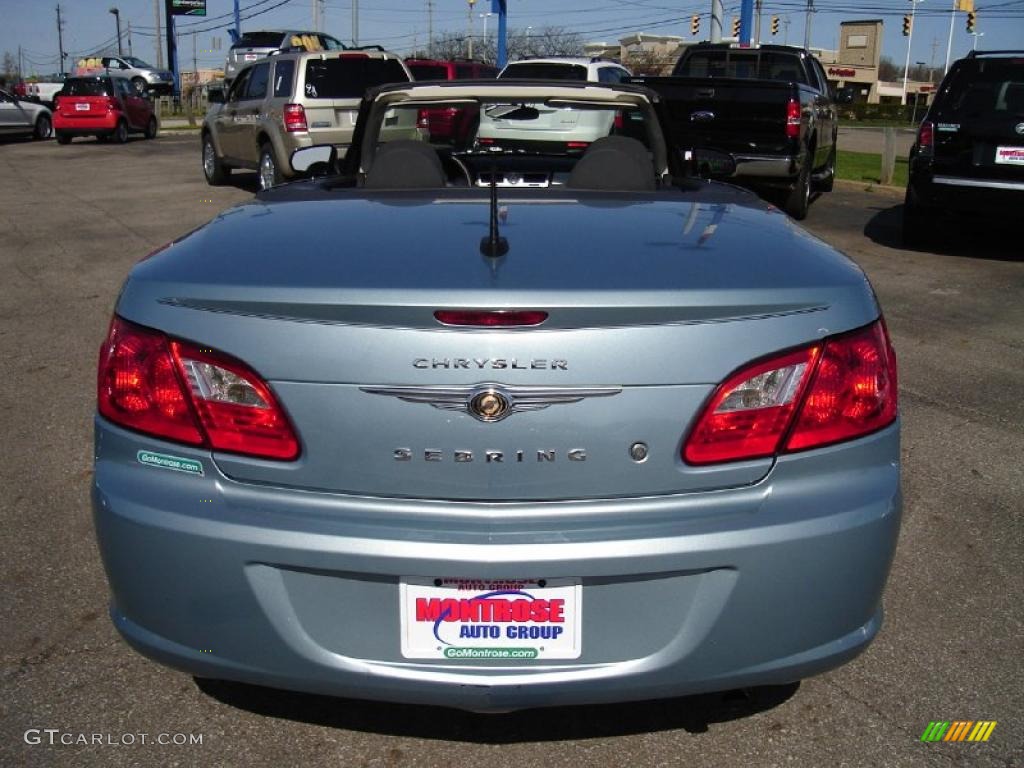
(889, 70)
(9, 73)
(650, 62)
(549, 41)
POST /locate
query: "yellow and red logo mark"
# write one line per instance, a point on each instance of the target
(958, 730)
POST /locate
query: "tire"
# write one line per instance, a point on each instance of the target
(44, 128)
(120, 134)
(140, 85)
(63, 138)
(829, 181)
(269, 174)
(799, 198)
(151, 128)
(216, 173)
(918, 224)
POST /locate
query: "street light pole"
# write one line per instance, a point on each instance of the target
(976, 35)
(469, 31)
(117, 20)
(910, 40)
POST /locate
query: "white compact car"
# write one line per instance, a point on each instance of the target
(554, 128)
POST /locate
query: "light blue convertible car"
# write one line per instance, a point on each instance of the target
(496, 427)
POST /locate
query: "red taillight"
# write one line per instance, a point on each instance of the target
(577, 144)
(853, 391)
(821, 394)
(619, 122)
(139, 386)
(490, 318)
(181, 392)
(423, 118)
(926, 137)
(294, 118)
(55, 100)
(793, 119)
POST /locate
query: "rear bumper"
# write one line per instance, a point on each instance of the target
(772, 167)
(682, 594)
(968, 194)
(85, 126)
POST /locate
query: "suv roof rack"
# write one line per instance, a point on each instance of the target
(367, 48)
(976, 54)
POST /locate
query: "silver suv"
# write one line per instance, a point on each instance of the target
(253, 46)
(292, 100)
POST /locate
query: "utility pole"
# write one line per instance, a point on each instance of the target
(238, 23)
(910, 40)
(949, 44)
(807, 25)
(195, 61)
(21, 72)
(159, 45)
(757, 21)
(130, 39)
(785, 26)
(60, 39)
(715, 30)
(469, 30)
(355, 22)
(430, 27)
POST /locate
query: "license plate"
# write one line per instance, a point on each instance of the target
(472, 620)
(1010, 155)
(251, 57)
(82, 107)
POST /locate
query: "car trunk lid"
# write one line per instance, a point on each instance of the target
(642, 324)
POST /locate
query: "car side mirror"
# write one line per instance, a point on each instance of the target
(321, 160)
(215, 96)
(711, 164)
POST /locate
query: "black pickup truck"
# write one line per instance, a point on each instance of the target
(769, 106)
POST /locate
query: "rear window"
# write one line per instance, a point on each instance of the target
(259, 40)
(90, 87)
(986, 87)
(742, 65)
(428, 71)
(348, 77)
(544, 72)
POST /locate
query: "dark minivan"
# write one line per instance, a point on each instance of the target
(969, 152)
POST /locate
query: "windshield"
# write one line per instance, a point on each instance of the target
(348, 77)
(428, 71)
(259, 40)
(87, 87)
(987, 87)
(497, 126)
(137, 63)
(742, 65)
(549, 71)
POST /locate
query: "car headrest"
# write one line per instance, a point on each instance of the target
(614, 163)
(405, 164)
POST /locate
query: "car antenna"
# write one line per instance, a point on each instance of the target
(494, 245)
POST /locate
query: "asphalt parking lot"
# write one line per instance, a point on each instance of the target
(74, 219)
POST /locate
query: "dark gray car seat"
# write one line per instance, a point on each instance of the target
(405, 164)
(614, 163)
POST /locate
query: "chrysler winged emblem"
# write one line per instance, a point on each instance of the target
(492, 402)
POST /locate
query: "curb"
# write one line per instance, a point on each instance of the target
(868, 186)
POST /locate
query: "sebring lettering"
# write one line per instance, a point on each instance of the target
(488, 457)
(488, 609)
(489, 363)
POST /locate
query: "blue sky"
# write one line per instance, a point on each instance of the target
(401, 25)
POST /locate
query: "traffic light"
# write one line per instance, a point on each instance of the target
(735, 26)
(775, 25)
(906, 25)
(971, 17)
(695, 24)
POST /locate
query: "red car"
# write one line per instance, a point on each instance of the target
(452, 123)
(101, 106)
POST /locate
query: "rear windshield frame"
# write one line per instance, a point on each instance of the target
(553, 70)
(97, 86)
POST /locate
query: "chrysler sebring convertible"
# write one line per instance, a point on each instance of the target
(496, 427)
